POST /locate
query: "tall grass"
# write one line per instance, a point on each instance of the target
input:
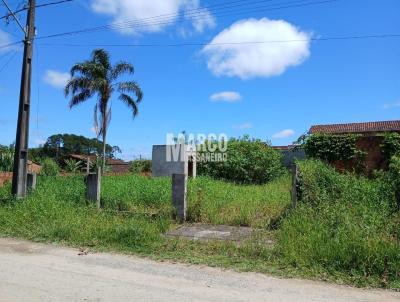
(345, 224)
(209, 200)
(344, 228)
(57, 211)
(219, 202)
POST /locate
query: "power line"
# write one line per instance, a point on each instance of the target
(8, 61)
(37, 6)
(360, 37)
(227, 11)
(198, 16)
(10, 44)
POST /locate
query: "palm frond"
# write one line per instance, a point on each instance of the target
(96, 121)
(131, 86)
(107, 119)
(80, 98)
(78, 84)
(130, 102)
(102, 57)
(121, 68)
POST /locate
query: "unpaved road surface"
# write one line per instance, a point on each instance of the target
(31, 272)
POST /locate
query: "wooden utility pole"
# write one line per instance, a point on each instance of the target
(19, 182)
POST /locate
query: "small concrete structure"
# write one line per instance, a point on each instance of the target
(174, 159)
(31, 181)
(179, 189)
(206, 232)
(93, 186)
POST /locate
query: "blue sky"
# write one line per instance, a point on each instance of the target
(272, 91)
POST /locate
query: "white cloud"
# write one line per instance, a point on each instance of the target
(243, 126)
(154, 15)
(40, 142)
(284, 134)
(391, 105)
(227, 57)
(226, 96)
(5, 39)
(56, 79)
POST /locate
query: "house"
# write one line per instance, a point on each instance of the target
(370, 140)
(116, 165)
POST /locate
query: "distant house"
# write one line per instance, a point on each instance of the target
(34, 167)
(116, 165)
(371, 137)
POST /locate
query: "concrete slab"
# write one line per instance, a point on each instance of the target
(211, 232)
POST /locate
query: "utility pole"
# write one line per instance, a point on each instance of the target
(19, 182)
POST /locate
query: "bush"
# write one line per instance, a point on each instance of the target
(72, 165)
(49, 168)
(140, 166)
(332, 148)
(6, 158)
(249, 161)
(344, 224)
(391, 145)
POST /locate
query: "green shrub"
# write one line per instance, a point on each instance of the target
(248, 161)
(391, 145)
(6, 158)
(49, 168)
(330, 148)
(140, 166)
(344, 224)
(72, 165)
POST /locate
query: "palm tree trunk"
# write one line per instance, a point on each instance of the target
(104, 146)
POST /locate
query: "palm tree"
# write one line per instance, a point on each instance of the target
(98, 78)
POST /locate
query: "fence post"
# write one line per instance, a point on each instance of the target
(179, 185)
(93, 187)
(294, 185)
(31, 181)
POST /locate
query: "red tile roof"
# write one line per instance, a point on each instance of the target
(385, 126)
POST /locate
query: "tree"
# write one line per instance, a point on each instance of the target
(98, 78)
(59, 146)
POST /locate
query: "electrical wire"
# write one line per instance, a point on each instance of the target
(8, 61)
(198, 16)
(320, 39)
(26, 6)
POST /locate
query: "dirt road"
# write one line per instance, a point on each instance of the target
(34, 272)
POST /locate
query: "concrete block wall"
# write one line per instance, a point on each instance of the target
(162, 167)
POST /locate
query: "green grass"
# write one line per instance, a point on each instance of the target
(343, 231)
(210, 201)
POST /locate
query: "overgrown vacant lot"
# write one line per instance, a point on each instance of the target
(210, 201)
(346, 228)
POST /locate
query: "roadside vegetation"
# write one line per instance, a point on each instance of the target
(345, 229)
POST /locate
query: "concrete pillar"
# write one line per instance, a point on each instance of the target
(179, 184)
(294, 185)
(93, 186)
(31, 181)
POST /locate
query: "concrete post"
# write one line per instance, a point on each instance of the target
(179, 184)
(294, 185)
(31, 181)
(93, 186)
